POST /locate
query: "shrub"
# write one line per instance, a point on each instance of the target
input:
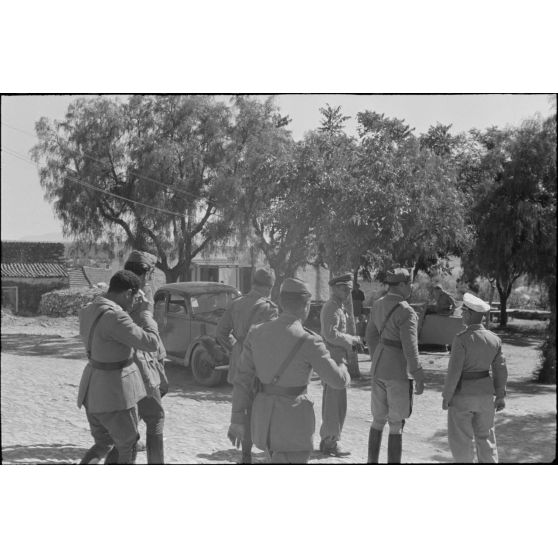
(66, 302)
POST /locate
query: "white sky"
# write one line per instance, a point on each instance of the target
(25, 213)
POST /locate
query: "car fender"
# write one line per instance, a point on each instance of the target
(211, 346)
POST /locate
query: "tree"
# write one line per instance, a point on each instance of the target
(150, 168)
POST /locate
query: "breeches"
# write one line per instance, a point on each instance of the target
(470, 424)
(392, 402)
(150, 410)
(334, 411)
(118, 428)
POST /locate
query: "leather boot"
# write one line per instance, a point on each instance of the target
(395, 447)
(374, 443)
(246, 453)
(92, 456)
(154, 447)
(112, 457)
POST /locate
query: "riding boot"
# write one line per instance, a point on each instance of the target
(112, 457)
(92, 456)
(246, 452)
(154, 447)
(374, 443)
(395, 447)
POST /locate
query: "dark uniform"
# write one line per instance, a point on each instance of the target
(392, 338)
(333, 319)
(244, 312)
(111, 384)
(283, 420)
(469, 389)
(445, 304)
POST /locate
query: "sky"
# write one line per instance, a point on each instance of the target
(26, 215)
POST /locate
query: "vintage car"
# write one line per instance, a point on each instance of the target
(187, 315)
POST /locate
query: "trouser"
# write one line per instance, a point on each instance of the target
(392, 402)
(290, 457)
(334, 411)
(150, 410)
(470, 424)
(115, 428)
(247, 440)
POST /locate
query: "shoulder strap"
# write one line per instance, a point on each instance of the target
(393, 309)
(92, 330)
(289, 359)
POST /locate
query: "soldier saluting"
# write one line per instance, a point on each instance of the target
(245, 311)
(469, 391)
(279, 357)
(392, 338)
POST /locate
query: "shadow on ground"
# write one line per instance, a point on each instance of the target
(43, 345)
(42, 454)
(182, 384)
(232, 456)
(521, 439)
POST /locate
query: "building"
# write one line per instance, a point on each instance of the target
(30, 269)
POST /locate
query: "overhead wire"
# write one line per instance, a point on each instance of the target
(90, 186)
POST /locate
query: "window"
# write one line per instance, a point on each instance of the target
(211, 302)
(177, 305)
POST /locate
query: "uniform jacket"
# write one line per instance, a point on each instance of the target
(333, 320)
(474, 350)
(150, 365)
(445, 304)
(114, 339)
(282, 423)
(393, 363)
(237, 320)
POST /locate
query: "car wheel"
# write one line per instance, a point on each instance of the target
(203, 368)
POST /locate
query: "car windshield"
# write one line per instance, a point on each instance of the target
(211, 302)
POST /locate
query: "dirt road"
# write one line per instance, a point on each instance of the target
(42, 360)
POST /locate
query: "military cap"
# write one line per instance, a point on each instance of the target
(293, 286)
(145, 258)
(398, 275)
(475, 304)
(264, 277)
(438, 286)
(346, 279)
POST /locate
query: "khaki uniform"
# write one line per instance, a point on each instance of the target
(445, 304)
(471, 396)
(283, 423)
(395, 361)
(110, 395)
(333, 319)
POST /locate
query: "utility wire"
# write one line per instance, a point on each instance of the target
(88, 156)
(90, 186)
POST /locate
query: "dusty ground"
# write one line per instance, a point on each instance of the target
(42, 360)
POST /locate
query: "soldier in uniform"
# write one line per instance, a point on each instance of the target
(333, 319)
(278, 357)
(444, 305)
(111, 384)
(470, 395)
(151, 367)
(239, 317)
(392, 339)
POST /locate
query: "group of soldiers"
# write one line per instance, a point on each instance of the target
(272, 357)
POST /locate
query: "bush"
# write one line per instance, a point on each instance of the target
(66, 302)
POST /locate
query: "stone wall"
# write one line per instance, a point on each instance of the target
(30, 291)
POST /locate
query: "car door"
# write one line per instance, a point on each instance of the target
(177, 330)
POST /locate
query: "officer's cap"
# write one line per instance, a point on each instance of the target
(145, 258)
(264, 277)
(398, 275)
(346, 279)
(293, 286)
(438, 286)
(475, 303)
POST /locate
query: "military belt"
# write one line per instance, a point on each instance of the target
(475, 375)
(292, 391)
(391, 343)
(110, 365)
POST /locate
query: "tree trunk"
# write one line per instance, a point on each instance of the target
(547, 372)
(504, 293)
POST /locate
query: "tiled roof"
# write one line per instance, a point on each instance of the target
(33, 270)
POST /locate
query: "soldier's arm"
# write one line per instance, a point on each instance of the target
(330, 328)
(455, 368)
(243, 383)
(372, 335)
(499, 373)
(317, 355)
(224, 328)
(122, 328)
(408, 330)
